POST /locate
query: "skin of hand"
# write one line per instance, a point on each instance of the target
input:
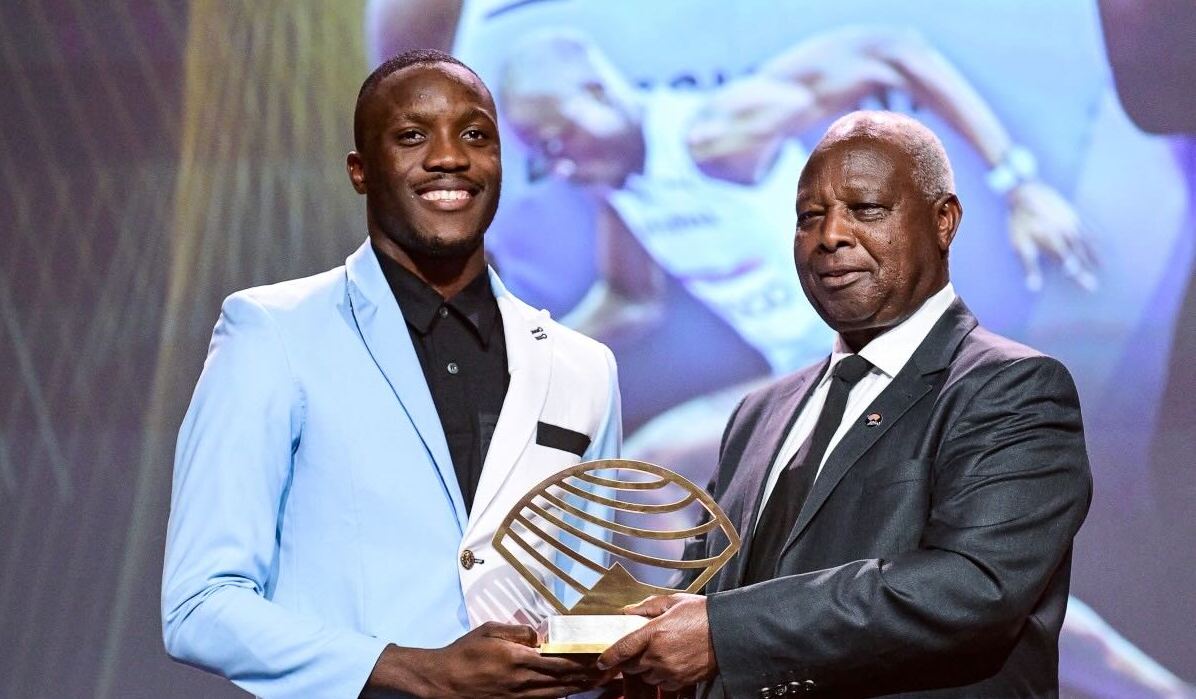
(491, 661)
(1042, 222)
(673, 650)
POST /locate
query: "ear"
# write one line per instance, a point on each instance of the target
(948, 212)
(355, 166)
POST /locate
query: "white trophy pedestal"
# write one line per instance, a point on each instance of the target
(585, 633)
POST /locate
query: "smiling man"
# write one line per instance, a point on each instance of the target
(907, 505)
(356, 436)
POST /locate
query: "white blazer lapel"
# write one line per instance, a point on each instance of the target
(529, 359)
(386, 337)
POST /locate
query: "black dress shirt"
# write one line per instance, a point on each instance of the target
(463, 353)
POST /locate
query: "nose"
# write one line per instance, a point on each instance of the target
(446, 154)
(836, 231)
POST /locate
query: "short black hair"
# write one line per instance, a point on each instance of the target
(413, 57)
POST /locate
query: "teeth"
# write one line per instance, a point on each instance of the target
(445, 195)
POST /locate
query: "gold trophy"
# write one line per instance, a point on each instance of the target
(605, 534)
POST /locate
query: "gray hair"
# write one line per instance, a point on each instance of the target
(932, 170)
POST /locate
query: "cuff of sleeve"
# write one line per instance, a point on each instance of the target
(735, 649)
(365, 651)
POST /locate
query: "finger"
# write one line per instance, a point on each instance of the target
(1085, 249)
(1075, 269)
(554, 691)
(635, 666)
(563, 684)
(624, 649)
(1027, 254)
(651, 607)
(516, 633)
(559, 665)
(1085, 264)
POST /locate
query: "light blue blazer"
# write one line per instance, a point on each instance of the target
(315, 514)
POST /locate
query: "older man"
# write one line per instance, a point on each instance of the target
(907, 505)
(356, 436)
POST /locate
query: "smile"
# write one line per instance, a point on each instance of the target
(446, 195)
(447, 199)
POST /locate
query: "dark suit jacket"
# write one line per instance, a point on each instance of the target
(934, 550)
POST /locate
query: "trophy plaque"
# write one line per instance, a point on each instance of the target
(605, 534)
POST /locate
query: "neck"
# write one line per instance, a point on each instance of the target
(859, 339)
(446, 275)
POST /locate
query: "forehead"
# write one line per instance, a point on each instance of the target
(857, 163)
(431, 90)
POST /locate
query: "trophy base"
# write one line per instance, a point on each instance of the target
(585, 633)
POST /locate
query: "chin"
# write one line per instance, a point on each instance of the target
(447, 247)
(849, 320)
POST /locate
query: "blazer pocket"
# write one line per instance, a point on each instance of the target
(561, 438)
(901, 472)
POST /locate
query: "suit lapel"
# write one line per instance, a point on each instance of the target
(529, 359)
(768, 441)
(910, 384)
(385, 334)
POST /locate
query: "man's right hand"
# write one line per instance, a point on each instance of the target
(493, 660)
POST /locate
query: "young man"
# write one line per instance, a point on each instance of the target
(356, 436)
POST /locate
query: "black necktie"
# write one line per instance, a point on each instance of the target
(797, 479)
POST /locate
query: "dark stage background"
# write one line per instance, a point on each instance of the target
(156, 156)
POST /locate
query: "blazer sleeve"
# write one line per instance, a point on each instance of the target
(1011, 488)
(232, 469)
(608, 441)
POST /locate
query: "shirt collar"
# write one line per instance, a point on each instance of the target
(890, 350)
(420, 303)
(476, 304)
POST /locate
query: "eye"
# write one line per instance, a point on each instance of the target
(475, 135)
(409, 136)
(805, 218)
(869, 211)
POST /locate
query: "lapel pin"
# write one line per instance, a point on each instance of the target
(873, 419)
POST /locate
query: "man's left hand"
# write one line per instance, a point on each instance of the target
(673, 650)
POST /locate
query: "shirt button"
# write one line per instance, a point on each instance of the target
(453, 368)
(467, 559)
(443, 312)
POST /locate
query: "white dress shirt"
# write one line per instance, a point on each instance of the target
(888, 353)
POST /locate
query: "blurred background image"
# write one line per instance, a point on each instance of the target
(156, 156)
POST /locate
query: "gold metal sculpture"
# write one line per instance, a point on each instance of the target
(581, 528)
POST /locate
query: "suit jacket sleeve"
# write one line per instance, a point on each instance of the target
(1010, 488)
(608, 442)
(232, 468)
